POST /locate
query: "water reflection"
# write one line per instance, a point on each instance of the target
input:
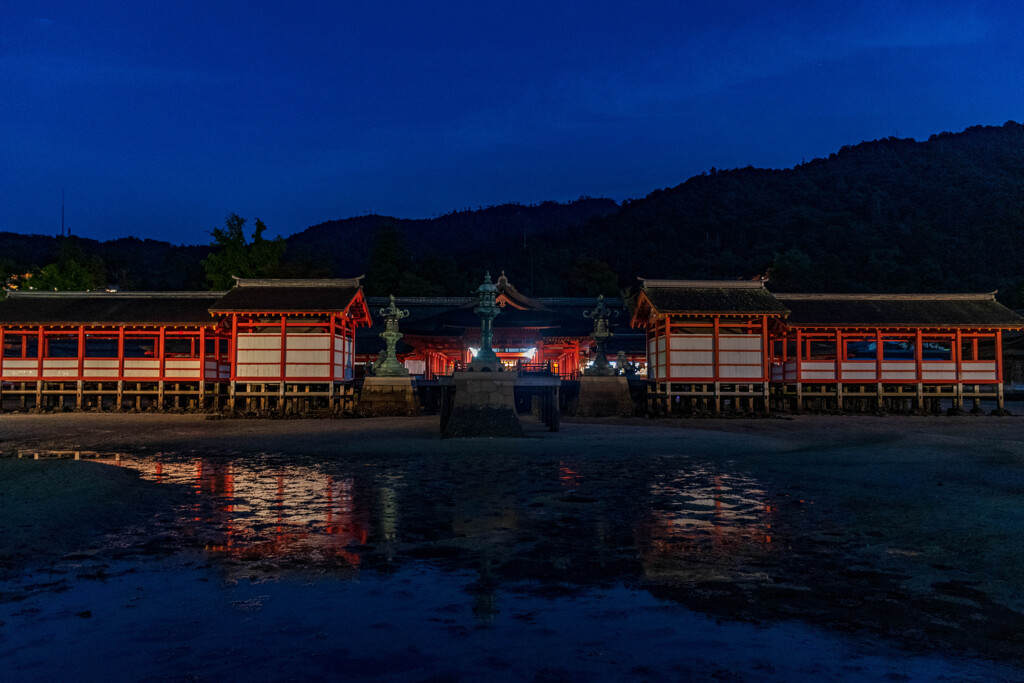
(701, 532)
(571, 520)
(286, 512)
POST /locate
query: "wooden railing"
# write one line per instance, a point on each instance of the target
(521, 368)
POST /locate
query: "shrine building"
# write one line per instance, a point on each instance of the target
(442, 334)
(692, 346)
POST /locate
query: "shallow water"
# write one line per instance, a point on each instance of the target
(556, 568)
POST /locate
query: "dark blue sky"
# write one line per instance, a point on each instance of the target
(159, 119)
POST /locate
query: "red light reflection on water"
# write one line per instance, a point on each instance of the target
(696, 514)
(297, 513)
(568, 476)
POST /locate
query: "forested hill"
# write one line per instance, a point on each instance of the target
(346, 243)
(129, 262)
(946, 214)
(435, 248)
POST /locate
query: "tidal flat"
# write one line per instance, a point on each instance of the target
(772, 549)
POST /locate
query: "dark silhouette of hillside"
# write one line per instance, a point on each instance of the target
(946, 214)
(346, 243)
(897, 215)
(129, 262)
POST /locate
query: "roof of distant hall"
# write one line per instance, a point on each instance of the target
(103, 308)
(705, 297)
(288, 296)
(899, 310)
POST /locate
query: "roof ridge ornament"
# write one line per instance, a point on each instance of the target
(298, 282)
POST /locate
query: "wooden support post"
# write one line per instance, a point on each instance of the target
(879, 357)
(162, 365)
(284, 364)
(333, 329)
(715, 362)
(958, 402)
(999, 372)
(919, 369)
(40, 350)
(233, 363)
(79, 387)
(839, 370)
(202, 368)
(2, 369)
(799, 372)
(766, 367)
(120, 368)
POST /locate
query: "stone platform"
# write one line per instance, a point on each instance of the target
(388, 396)
(604, 397)
(483, 405)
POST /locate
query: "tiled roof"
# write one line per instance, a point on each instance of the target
(711, 296)
(102, 308)
(301, 296)
(899, 310)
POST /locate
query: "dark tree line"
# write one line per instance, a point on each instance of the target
(946, 214)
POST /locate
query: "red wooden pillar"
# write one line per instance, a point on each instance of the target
(999, 356)
(162, 351)
(665, 367)
(879, 356)
(1, 368)
(919, 355)
(162, 365)
(350, 351)
(766, 350)
(284, 345)
(715, 322)
(919, 367)
(233, 348)
(120, 353)
(216, 351)
(958, 352)
(40, 350)
(799, 355)
(202, 354)
(333, 333)
(839, 356)
(81, 352)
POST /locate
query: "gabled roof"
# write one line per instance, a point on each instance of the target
(707, 297)
(103, 308)
(898, 310)
(289, 296)
(514, 297)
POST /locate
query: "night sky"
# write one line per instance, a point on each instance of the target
(159, 119)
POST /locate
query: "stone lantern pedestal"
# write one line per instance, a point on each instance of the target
(481, 400)
(389, 390)
(603, 392)
(483, 405)
(604, 396)
(388, 396)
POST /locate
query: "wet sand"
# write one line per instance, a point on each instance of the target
(901, 535)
